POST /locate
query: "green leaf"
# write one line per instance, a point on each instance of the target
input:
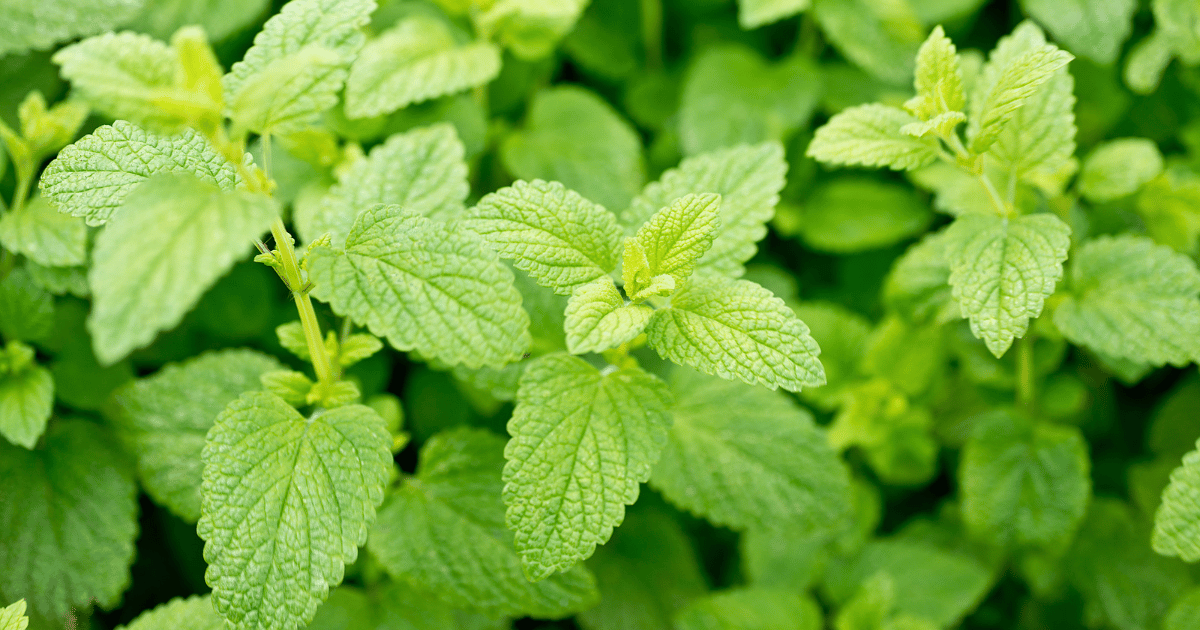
(425, 287)
(529, 28)
(751, 609)
(60, 280)
(286, 501)
(68, 517)
(194, 613)
(1134, 300)
(870, 135)
(1090, 28)
(125, 75)
(894, 435)
(574, 137)
(416, 60)
(635, 274)
(26, 311)
(582, 442)
(297, 64)
(218, 18)
(93, 177)
(12, 617)
(748, 178)
(44, 235)
(854, 214)
(1024, 483)
(918, 287)
(598, 318)
(736, 330)
(646, 573)
(938, 79)
(1002, 270)
(422, 170)
(163, 420)
(395, 605)
(842, 335)
(728, 437)
(561, 239)
(879, 37)
(444, 532)
(1118, 168)
(733, 96)
(26, 400)
(679, 234)
(755, 13)
(1185, 612)
(1170, 207)
(1177, 522)
(39, 24)
(1020, 64)
(175, 236)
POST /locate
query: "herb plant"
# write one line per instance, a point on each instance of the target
(541, 391)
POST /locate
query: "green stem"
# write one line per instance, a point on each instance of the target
(1026, 394)
(652, 18)
(296, 282)
(266, 150)
(21, 193)
(1001, 207)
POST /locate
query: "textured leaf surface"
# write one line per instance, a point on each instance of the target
(422, 170)
(582, 442)
(425, 287)
(869, 135)
(561, 239)
(1177, 523)
(736, 330)
(1133, 299)
(286, 501)
(26, 400)
(748, 178)
(416, 60)
(574, 137)
(1118, 168)
(1089, 28)
(444, 532)
(678, 235)
(94, 176)
(194, 613)
(1002, 270)
(44, 235)
(165, 418)
(282, 83)
(39, 24)
(938, 78)
(122, 75)
(598, 318)
(12, 617)
(751, 609)
(728, 437)
(1024, 483)
(68, 519)
(756, 13)
(174, 237)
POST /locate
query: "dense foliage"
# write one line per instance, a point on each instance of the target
(612, 315)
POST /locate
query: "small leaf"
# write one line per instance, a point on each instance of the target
(755, 13)
(26, 311)
(1177, 522)
(12, 617)
(854, 214)
(44, 235)
(1090, 28)
(938, 79)
(26, 400)
(597, 318)
(679, 234)
(292, 387)
(870, 135)
(1119, 168)
(529, 28)
(193, 613)
(751, 609)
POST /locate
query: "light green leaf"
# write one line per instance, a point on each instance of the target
(26, 400)
(748, 178)
(755, 13)
(194, 613)
(729, 436)
(751, 609)
(854, 214)
(1021, 63)
(93, 177)
(1146, 63)
(174, 237)
(582, 442)
(60, 280)
(635, 274)
(39, 24)
(842, 335)
(1089, 28)
(286, 501)
(1177, 522)
(422, 170)
(918, 287)
(1134, 300)
(444, 532)
(163, 420)
(416, 60)
(123, 75)
(1170, 207)
(1024, 483)
(12, 617)
(26, 311)
(425, 286)
(44, 235)
(1003, 269)
(870, 135)
(218, 18)
(736, 330)
(574, 137)
(68, 520)
(733, 96)
(938, 80)
(561, 239)
(289, 87)
(881, 37)
(679, 234)
(529, 28)
(597, 318)
(1119, 168)
(895, 436)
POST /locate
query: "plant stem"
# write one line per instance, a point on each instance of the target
(294, 278)
(994, 194)
(21, 193)
(1026, 393)
(652, 17)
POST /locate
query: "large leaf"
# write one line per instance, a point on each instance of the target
(39, 24)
